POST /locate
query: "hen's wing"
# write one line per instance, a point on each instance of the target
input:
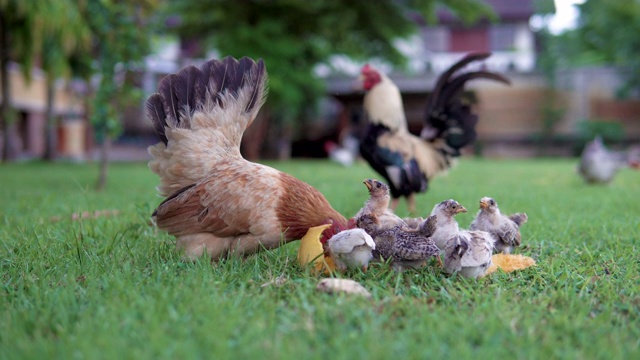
(202, 207)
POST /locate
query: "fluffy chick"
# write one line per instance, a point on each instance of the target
(467, 252)
(407, 248)
(351, 249)
(505, 229)
(447, 225)
(378, 205)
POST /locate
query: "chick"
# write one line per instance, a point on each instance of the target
(378, 206)
(447, 225)
(351, 249)
(467, 252)
(505, 229)
(599, 165)
(407, 248)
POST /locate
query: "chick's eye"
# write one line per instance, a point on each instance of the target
(492, 202)
(378, 185)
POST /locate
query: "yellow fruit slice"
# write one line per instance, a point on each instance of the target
(509, 263)
(311, 252)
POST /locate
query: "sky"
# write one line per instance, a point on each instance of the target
(564, 18)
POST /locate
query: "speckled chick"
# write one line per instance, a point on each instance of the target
(505, 229)
(407, 248)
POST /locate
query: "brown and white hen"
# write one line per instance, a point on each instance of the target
(216, 201)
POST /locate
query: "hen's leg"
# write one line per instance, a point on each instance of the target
(194, 245)
(249, 244)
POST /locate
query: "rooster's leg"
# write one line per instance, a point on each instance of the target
(394, 203)
(411, 203)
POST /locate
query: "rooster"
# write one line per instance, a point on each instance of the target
(407, 161)
(217, 202)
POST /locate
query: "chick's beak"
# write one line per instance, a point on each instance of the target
(483, 204)
(461, 209)
(368, 183)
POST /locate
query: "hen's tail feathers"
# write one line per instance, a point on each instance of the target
(200, 114)
(203, 89)
(447, 117)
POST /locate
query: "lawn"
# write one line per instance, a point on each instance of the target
(113, 287)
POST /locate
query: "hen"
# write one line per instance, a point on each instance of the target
(599, 165)
(407, 161)
(505, 229)
(216, 201)
(467, 252)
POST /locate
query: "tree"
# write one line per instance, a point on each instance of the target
(294, 36)
(607, 35)
(17, 42)
(121, 35)
(29, 30)
(60, 48)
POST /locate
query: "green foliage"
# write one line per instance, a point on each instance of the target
(295, 36)
(607, 35)
(611, 132)
(113, 287)
(121, 38)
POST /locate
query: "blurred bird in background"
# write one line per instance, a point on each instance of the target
(599, 165)
(407, 161)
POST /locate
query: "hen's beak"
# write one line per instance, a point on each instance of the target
(483, 204)
(461, 209)
(368, 183)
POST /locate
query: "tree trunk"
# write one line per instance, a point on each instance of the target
(104, 163)
(50, 128)
(7, 116)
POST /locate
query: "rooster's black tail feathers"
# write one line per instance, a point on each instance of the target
(447, 117)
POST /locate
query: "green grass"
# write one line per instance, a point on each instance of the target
(113, 287)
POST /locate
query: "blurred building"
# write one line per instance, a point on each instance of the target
(29, 102)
